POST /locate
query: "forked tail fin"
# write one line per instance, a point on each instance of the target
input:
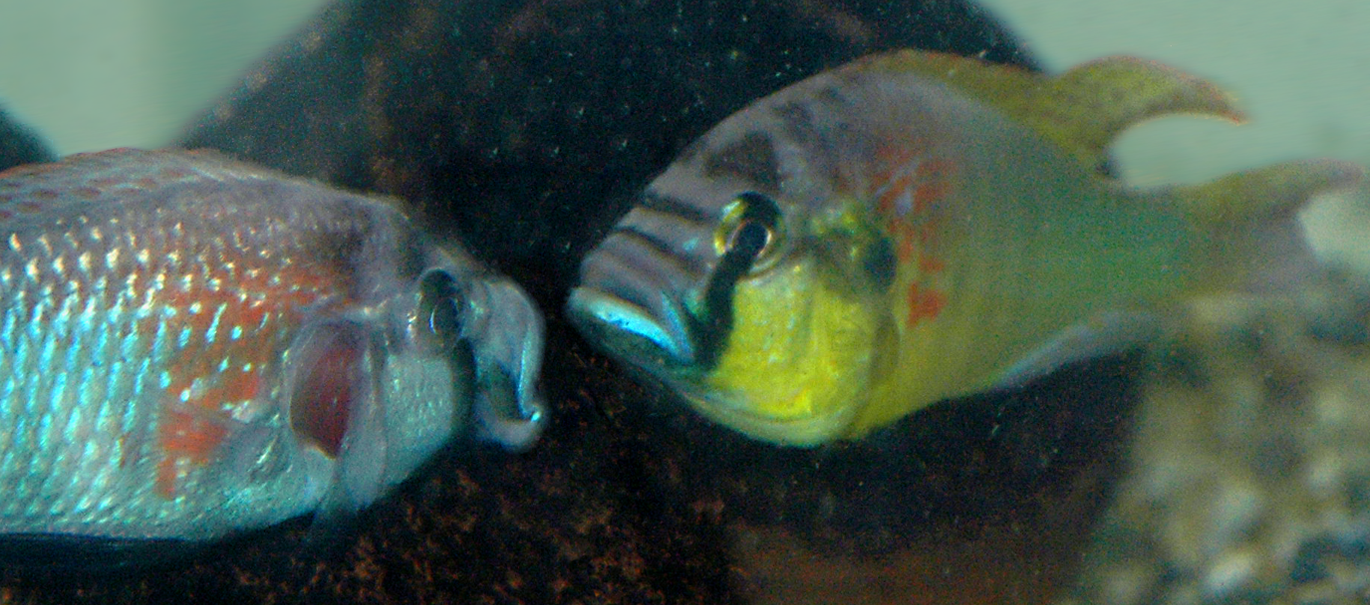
(1249, 236)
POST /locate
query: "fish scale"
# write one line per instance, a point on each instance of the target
(160, 316)
(150, 304)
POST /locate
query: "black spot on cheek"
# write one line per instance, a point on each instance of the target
(880, 264)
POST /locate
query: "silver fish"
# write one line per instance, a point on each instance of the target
(191, 346)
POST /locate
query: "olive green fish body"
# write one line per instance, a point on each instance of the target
(913, 227)
(1014, 243)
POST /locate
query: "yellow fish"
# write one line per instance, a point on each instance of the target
(913, 227)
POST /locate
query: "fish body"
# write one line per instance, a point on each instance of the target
(914, 227)
(190, 347)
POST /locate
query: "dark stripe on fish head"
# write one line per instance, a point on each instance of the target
(746, 234)
(659, 286)
(751, 158)
(634, 283)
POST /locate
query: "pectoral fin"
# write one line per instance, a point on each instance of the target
(1111, 332)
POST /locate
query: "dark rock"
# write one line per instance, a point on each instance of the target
(20, 145)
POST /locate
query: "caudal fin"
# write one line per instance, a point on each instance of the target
(1250, 238)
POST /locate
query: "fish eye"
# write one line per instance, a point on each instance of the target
(749, 239)
(440, 307)
(750, 230)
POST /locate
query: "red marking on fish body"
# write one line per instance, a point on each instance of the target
(893, 198)
(906, 180)
(910, 185)
(241, 385)
(168, 473)
(927, 194)
(927, 231)
(192, 438)
(924, 304)
(235, 334)
(905, 249)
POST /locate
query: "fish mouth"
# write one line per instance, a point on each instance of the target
(629, 303)
(506, 335)
(630, 330)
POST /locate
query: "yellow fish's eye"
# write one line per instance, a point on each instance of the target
(750, 231)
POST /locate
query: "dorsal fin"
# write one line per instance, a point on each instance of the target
(106, 176)
(1083, 109)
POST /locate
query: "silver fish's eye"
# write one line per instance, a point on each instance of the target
(750, 230)
(440, 307)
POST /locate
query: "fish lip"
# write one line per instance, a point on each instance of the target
(507, 337)
(630, 330)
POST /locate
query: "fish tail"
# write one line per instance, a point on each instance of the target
(1249, 237)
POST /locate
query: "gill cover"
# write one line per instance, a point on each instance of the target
(336, 412)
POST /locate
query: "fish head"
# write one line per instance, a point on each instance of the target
(410, 345)
(373, 390)
(497, 334)
(751, 280)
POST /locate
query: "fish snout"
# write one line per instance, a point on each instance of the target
(630, 302)
(506, 335)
